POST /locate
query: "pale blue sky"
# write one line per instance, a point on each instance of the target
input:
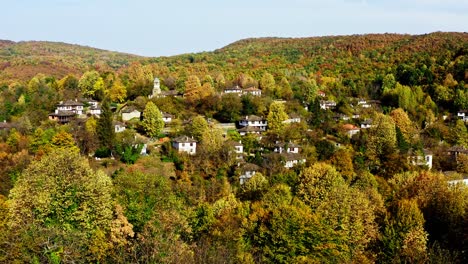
(163, 28)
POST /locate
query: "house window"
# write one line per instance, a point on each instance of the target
(191, 144)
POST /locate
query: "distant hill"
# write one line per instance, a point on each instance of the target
(23, 60)
(353, 56)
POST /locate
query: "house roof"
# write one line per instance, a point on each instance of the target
(291, 156)
(71, 103)
(234, 143)
(249, 167)
(129, 110)
(288, 144)
(367, 122)
(4, 125)
(458, 149)
(249, 129)
(167, 115)
(350, 127)
(63, 113)
(235, 88)
(253, 118)
(184, 139)
(169, 93)
(252, 89)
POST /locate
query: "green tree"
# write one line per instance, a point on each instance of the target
(152, 120)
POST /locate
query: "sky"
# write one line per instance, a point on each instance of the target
(171, 27)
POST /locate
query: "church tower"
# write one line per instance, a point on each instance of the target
(156, 88)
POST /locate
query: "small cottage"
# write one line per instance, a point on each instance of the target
(247, 171)
(185, 144)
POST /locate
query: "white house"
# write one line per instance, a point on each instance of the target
(463, 115)
(253, 91)
(233, 90)
(286, 148)
(327, 104)
(249, 130)
(363, 103)
(95, 110)
(119, 127)
(421, 159)
(185, 144)
(292, 159)
(293, 118)
(351, 129)
(167, 118)
(366, 124)
(70, 106)
(254, 121)
(130, 113)
(238, 148)
(247, 171)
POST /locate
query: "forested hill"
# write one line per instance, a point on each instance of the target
(359, 57)
(355, 59)
(23, 60)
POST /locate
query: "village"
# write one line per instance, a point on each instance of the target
(266, 149)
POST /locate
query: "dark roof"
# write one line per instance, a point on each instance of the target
(249, 129)
(458, 149)
(291, 156)
(284, 145)
(129, 110)
(234, 143)
(167, 115)
(170, 93)
(184, 139)
(71, 103)
(367, 122)
(236, 88)
(63, 113)
(5, 125)
(252, 89)
(252, 118)
(249, 167)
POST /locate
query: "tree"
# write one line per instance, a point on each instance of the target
(87, 83)
(285, 89)
(152, 120)
(381, 140)
(276, 116)
(267, 84)
(104, 129)
(403, 122)
(199, 127)
(117, 92)
(193, 89)
(459, 135)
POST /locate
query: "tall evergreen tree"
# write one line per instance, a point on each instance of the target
(104, 129)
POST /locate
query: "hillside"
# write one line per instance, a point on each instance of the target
(23, 60)
(355, 56)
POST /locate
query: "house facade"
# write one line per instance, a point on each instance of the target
(253, 91)
(233, 90)
(247, 171)
(129, 114)
(254, 121)
(71, 106)
(185, 144)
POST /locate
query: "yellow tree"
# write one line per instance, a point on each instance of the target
(276, 116)
(117, 92)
